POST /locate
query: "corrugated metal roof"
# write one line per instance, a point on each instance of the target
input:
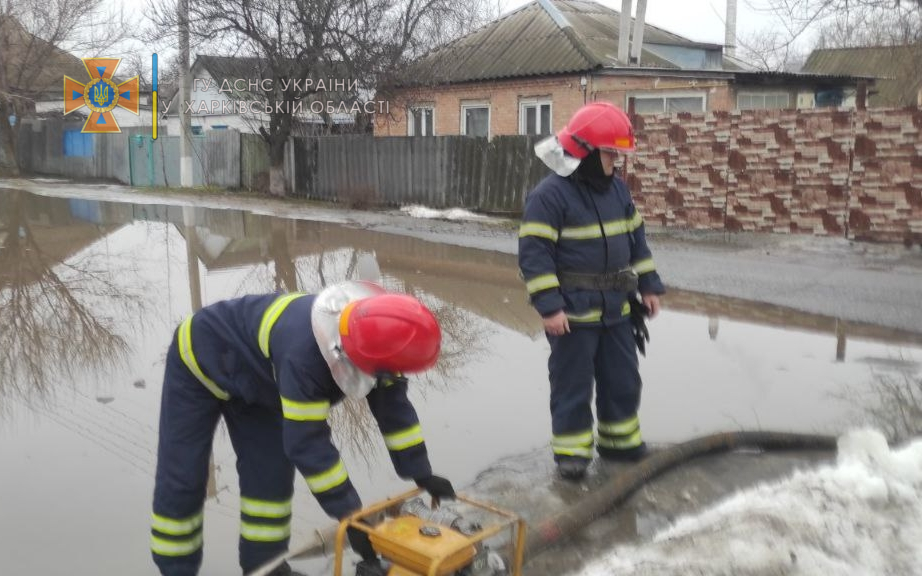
(535, 41)
(897, 69)
(32, 65)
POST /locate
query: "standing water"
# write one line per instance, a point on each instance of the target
(90, 293)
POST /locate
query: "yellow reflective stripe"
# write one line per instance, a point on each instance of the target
(165, 547)
(538, 229)
(620, 428)
(303, 411)
(188, 358)
(270, 317)
(404, 439)
(265, 508)
(626, 308)
(543, 282)
(581, 232)
(581, 439)
(631, 441)
(636, 222)
(610, 228)
(264, 532)
(593, 315)
(644, 266)
(328, 479)
(584, 452)
(175, 527)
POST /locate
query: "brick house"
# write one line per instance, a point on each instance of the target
(527, 72)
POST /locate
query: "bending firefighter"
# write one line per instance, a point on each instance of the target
(272, 366)
(584, 258)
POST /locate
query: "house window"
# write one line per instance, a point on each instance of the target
(420, 121)
(475, 120)
(668, 102)
(762, 100)
(535, 117)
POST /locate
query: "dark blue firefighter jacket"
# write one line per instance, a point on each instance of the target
(261, 349)
(568, 227)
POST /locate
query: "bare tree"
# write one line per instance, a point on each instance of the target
(357, 43)
(836, 23)
(38, 41)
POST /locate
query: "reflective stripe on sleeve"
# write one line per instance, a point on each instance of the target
(265, 508)
(188, 358)
(176, 527)
(543, 282)
(164, 547)
(271, 316)
(538, 229)
(644, 266)
(404, 438)
(305, 411)
(329, 479)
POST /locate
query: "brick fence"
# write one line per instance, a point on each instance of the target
(847, 173)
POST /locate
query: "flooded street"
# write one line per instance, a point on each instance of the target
(91, 291)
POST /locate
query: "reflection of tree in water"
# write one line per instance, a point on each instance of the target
(55, 316)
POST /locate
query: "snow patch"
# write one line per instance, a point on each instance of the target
(862, 515)
(417, 211)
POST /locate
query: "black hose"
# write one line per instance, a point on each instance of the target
(546, 533)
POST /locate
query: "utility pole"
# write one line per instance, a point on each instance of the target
(185, 124)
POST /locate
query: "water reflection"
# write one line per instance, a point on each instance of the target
(60, 310)
(130, 272)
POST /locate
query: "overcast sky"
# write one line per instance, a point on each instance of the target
(700, 20)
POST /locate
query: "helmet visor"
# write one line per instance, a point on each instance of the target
(555, 157)
(325, 317)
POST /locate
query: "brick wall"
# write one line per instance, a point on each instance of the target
(564, 92)
(828, 172)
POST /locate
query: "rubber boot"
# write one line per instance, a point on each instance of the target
(572, 467)
(635, 454)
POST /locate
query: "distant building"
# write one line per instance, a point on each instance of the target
(215, 103)
(527, 72)
(897, 69)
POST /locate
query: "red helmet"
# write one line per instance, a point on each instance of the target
(597, 125)
(390, 333)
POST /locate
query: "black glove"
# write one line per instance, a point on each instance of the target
(361, 544)
(437, 487)
(639, 313)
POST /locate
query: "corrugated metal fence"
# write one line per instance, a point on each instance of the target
(442, 172)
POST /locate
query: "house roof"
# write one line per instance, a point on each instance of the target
(899, 76)
(546, 37)
(32, 65)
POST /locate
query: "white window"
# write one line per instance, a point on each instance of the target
(475, 119)
(420, 121)
(762, 100)
(658, 103)
(535, 117)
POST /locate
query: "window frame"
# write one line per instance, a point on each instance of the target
(411, 122)
(476, 104)
(776, 93)
(536, 103)
(664, 95)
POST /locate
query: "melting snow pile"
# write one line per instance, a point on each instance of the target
(861, 516)
(417, 211)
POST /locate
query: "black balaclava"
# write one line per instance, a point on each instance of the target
(591, 172)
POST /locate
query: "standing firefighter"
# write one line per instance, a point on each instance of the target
(584, 258)
(272, 366)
